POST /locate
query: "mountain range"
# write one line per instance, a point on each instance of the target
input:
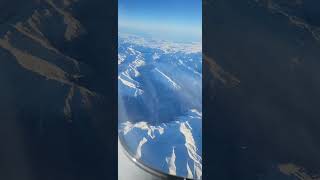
(56, 109)
(160, 103)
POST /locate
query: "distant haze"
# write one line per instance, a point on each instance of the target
(179, 20)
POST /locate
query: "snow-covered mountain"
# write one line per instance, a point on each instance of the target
(160, 103)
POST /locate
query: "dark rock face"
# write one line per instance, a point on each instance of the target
(57, 110)
(270, 116)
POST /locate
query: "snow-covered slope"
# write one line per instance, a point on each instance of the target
(173, 147)
(160, 111)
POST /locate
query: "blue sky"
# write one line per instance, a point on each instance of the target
(179, 20)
